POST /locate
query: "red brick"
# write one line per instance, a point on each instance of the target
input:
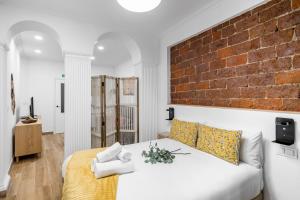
(238, 18)
(238, 38)
(265, 6)
(262, 29)
(247, 23)
(296, 61)
(209, 75)
(268, 104)
(226, 52)
(288, 77)
(291, 105)
(218, 44)
(237, 60)
(288, 49)
(190, 71)
(221, 102)
(237, 82)
(230, 93)
(202, 50)
(207, 39)
(209, 57)
(242, 62)
(249, 69)
(212, 93)
(216, 35)
(274, 11)
(202, 85)
(276, 65)
(285, 91)
(289, 20)
(205, 102)
(253, 92)
(261, 54)
(228, 31)
(221, 83)
(295, 4)
(226, 72)
(261, 80)
(277, 38)
(218, 64)
(241, 103)
(297, 30)
(202, 68)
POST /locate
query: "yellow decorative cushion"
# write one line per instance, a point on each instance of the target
(221, 143)
(185, 132)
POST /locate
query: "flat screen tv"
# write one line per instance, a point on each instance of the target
(31, 107)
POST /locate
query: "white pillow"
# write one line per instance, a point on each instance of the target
(251, 150)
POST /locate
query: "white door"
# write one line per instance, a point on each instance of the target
(59, 106)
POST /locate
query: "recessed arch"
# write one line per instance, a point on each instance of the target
(29, 25)
(131, 45)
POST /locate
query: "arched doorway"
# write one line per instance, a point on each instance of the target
(115, 90)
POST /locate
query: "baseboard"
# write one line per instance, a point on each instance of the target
(4, 187)
(48, 133)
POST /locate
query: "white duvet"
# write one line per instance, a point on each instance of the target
(198, 176)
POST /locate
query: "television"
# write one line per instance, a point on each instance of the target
(31, 108)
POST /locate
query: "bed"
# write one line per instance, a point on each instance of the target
(195, 176)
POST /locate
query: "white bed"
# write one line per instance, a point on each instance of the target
(191, 177)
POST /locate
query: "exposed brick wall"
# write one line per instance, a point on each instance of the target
(250, 61)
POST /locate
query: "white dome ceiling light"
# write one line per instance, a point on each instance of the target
(139, 5)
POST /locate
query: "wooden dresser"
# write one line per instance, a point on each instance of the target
(28, 139)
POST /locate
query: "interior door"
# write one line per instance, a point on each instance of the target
(59, 106)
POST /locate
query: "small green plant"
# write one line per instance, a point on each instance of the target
(157, 155)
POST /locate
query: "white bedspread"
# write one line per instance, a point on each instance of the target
(191, 177)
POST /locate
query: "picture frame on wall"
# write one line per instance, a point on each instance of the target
(12, 94)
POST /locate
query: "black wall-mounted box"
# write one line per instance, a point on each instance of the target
(285, 131)
(171, 113)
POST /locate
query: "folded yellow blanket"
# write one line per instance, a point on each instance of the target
(81, 184)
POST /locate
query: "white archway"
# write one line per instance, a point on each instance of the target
(28, 25)
(131, 45)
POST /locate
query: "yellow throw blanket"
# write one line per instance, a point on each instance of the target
(80, 182)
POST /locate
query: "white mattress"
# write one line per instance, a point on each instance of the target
(190, 177)
(198, 176)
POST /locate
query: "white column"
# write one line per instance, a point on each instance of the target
(77, 103)
(4, 177)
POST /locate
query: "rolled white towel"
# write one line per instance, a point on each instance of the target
(112, 168)
(93, 164)
(124, 155)
(110, 153)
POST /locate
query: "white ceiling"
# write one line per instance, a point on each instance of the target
(106, 13)
(110, 14)
(114, 53)
(27, 44)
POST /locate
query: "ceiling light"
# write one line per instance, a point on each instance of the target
(38, 37)
(92, 58)
(37, 51)
(101, 48)
(139, 5)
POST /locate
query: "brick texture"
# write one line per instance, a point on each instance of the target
(251, 61)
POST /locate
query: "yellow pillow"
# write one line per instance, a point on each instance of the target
(185, 132)
(221, 143)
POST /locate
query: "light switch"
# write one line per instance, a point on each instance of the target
(290, 152)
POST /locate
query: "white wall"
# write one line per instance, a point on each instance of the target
(282, 175)
(125, 69)
(37, 80)
(103, 70)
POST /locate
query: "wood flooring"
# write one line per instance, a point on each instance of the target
(39, 178)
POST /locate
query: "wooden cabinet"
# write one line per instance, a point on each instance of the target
(28, 139)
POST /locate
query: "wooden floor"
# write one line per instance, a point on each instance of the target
(39, 178)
